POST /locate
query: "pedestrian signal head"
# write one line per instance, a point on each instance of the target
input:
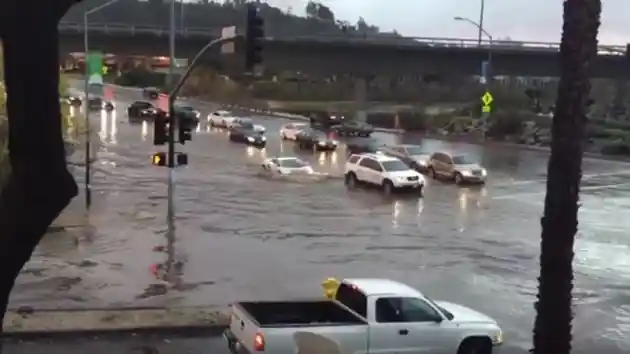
(159, 159)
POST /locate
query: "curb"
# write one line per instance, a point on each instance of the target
(29, 324)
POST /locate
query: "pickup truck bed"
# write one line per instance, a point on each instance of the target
(281, 327)
(296, 313)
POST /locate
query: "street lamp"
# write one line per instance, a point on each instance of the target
(481, 30)
(86, 105)
(482, 10)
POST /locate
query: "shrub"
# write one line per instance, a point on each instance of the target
(618, 148)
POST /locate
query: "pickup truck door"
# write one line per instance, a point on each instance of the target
(410, 326)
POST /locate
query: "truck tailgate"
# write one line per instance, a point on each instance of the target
(287, 339)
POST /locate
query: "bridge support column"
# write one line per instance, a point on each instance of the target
(360, 98)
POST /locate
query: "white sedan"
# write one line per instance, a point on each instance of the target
(286, 166)
(221, 119)
(290, 131)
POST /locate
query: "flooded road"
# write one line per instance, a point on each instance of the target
(240, 236)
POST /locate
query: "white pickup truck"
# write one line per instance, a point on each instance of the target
(361, 316)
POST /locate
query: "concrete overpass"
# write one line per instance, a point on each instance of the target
(358, 56)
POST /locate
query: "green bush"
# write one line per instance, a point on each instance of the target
(618, 148)
(610, 124)
(141, 78)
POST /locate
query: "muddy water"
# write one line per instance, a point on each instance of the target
(242, 236)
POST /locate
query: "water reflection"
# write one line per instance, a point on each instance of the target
(109, 127)
(145, 130)
(102, 134)
(113, 131)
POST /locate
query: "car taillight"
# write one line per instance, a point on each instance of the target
(259, 342)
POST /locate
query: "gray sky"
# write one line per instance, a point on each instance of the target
(522, 20)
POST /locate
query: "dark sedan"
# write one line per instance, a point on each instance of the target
(98, 103)
(151, 93)
(311, 139)
(363, 146)
(249, 137)
(352, 128)
(187, 113)
(141, 110)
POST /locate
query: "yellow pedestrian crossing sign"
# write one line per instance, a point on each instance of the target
(487, 100)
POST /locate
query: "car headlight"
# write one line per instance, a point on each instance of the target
(334, 142)
(197, 114)
(401, 179)
(466, 173)
(484, 172)
(250, 139)
(497, 338)
(263, 138)
(421, 162)
(321, 143)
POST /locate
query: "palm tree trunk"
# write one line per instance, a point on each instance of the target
(552, 327)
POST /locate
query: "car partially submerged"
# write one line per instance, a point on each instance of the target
(286, 166)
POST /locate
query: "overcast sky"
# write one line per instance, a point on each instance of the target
(534, 20)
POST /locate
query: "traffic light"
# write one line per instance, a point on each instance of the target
(161, 159)
(254, 34)
(182, 159)
(158, 159)
(185, 131)
(160, 128)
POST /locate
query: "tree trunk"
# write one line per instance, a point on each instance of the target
(40, 186)
(552, 327)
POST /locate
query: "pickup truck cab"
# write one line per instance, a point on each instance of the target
(362, 316)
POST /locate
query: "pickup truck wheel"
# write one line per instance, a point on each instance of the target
(388, 187)
(351, 180)
(475, 345)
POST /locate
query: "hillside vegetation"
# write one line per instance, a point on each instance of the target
(319, 19)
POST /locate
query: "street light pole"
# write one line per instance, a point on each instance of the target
(86, 103)
(170, 211)
(175, 88)
(481, 31)
(482, 11)
(488, 67)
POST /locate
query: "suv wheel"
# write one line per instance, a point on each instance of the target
(459, 179)
(388, 187)
(351, 180)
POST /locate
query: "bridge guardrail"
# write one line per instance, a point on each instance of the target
(398, 41)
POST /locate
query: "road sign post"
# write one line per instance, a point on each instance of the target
(486, 109)
(93, 78)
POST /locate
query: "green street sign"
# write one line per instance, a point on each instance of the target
(95, 68)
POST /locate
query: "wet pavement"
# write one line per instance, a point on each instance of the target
(241, 236)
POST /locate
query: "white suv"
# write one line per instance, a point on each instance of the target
(386, 172)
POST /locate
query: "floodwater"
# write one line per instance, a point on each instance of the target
(240, 236)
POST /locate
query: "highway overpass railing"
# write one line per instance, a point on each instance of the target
(118, 28)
